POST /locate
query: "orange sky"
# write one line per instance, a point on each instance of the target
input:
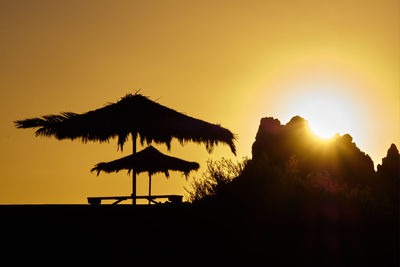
(228, 62)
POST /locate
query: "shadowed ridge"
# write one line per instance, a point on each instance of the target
(389, 174)
(133, 114)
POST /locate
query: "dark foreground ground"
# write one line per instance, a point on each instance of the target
(189, 236)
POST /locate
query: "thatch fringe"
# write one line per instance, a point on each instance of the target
(133, 114)
(148, 160)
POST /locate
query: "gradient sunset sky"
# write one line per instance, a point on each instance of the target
(227, 62)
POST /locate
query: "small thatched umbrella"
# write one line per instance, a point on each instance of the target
(148, 160)
(133, 115)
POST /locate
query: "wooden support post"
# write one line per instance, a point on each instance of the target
(134, 171)
(149, 189)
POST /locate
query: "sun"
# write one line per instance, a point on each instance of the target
(327, 113)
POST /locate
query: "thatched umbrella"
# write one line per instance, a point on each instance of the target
(148, 160)
(133, 115)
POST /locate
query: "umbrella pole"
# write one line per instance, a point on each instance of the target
(149, 188)
(133, 171)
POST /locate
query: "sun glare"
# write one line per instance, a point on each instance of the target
(327, 113)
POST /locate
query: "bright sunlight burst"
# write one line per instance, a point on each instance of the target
(327, 113)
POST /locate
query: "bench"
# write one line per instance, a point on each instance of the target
(174, 199)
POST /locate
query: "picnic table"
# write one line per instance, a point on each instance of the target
(174, 199)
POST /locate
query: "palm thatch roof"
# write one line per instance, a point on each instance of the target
(148, 160)
(133, 114)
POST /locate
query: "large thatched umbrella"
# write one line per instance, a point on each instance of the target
(133, 115)
(148, 160)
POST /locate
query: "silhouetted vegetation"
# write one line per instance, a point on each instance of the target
(218, 174)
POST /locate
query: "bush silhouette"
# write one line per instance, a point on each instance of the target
(218, 174)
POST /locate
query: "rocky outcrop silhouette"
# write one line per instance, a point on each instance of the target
(388, 174)
(340, 158)
(319, 200)
(291, 170)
